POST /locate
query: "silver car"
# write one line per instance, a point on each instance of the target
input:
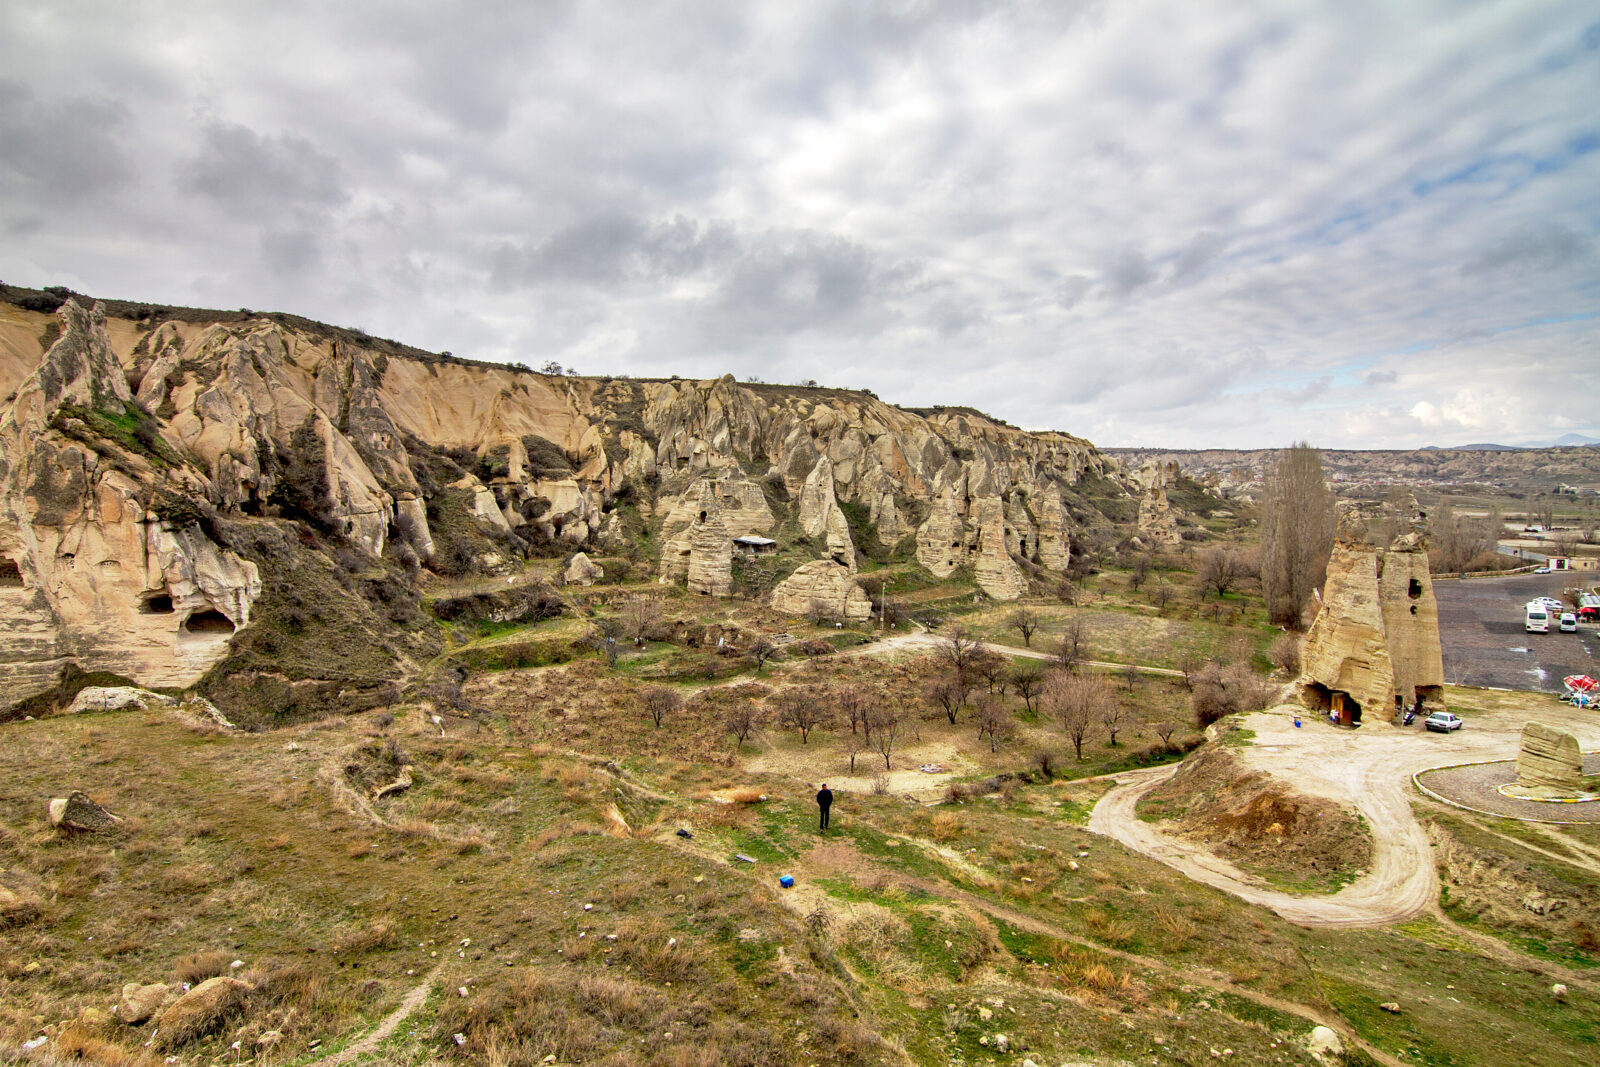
(1443, 721)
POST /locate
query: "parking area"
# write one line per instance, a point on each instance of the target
(1481, 629)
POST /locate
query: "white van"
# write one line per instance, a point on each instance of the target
(1538, 620)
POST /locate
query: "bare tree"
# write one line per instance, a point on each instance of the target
(887, 730)
(1297, 525)
(605, 639)
(1190, 661)
(1111, 716)
(1140, 573)
(988, 667)
(1026, 679)
(854, 745)
(956, 649)
(640, 615)
(1221, 570)
(1025, 622)
(1544, 511)
(1165, 730)
(852, 702)
(1071, 649)
(1161, 595)
(741, 721)
(946, 694)
(1285, 653)
(1130, 675)
(994, 722)
(803, 708)
(1066, 592)
(1076, 701)
(659, 702)
(762, 651)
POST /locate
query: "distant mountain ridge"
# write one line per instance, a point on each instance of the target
(1570, 440)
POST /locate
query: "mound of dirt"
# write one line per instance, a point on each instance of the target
(1260, 822)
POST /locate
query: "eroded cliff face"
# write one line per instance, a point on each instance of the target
(120, 437)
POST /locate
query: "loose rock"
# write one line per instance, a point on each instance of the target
(139, 1002)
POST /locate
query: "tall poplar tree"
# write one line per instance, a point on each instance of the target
(1297, 526)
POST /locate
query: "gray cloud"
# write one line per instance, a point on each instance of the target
(1144, 223)
(241, 170)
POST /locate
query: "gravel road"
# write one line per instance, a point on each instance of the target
(1369, 769)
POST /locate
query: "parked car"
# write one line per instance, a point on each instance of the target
(1442, 722)
(1551, 604)
(1541, 570)
(1569, 623)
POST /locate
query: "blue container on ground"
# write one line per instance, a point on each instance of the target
(787, 881)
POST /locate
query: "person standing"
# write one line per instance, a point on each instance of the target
(824, 802)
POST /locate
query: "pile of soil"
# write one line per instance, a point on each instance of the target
(1260, 822)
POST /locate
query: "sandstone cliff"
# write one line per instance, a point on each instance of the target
(146, 451)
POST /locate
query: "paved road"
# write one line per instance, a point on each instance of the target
(1481, 627)
(1368, 769)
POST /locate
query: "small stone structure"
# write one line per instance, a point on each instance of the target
(1549, 760)
(76, 812)
(1375, 642)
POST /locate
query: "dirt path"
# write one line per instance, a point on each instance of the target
(1368, 769)
(391, 1022)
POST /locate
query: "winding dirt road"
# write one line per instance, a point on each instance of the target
(1368, 769)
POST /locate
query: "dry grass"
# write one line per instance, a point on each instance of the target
(746, 795)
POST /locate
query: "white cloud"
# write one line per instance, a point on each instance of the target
(1153, 223)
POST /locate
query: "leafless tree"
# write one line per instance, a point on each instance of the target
(659, 702)
(803, 708)
(741, 721)
(1066, 592)
(640, 615)
(763, 650)
(956, 649)
(1190, 661)
(1072, 648)
(1130, 675)
(1285, 653)
(1297, 525)
(854, 745)
(1076, 701)
(1165, 730)
(1221, 570)
(887, 730)
(819, 611)
(1140, 572)
(852, 702)
(1111, 716)
(946, 695)
(994, 722)
(988, 667)
(1161, 595)
(1544, 511)
(605, 639)
(1026, 622)
(1026, 678)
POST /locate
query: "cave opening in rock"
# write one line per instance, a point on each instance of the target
(10, 574)
(156, 604)
(1414, 590)
(208, 622)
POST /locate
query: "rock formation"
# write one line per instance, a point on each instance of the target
(200, 1010)
(1549, 759)
(130, 441)
(77, 812)
(583, 571)
(993, 568)
(1376, 637)
(710, 559)
(822, 583)
(820, 516)
(139, 1002)
(1158, 521)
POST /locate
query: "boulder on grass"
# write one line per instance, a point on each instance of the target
(139, 1002)
(202, 1009)
(584, 571)
(78, 813)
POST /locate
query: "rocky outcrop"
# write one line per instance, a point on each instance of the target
(820, 516)
(127, 431)
(993, 568)
(1549, 759)
(200, 1010)
(709, 567)
(78, 813)
(140, 1002)
(583, 571)
(1376, 636)
(1158, 522)
(822, 586)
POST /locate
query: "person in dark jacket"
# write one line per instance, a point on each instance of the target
(824, 801)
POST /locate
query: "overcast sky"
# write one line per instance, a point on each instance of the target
(1184, 224)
